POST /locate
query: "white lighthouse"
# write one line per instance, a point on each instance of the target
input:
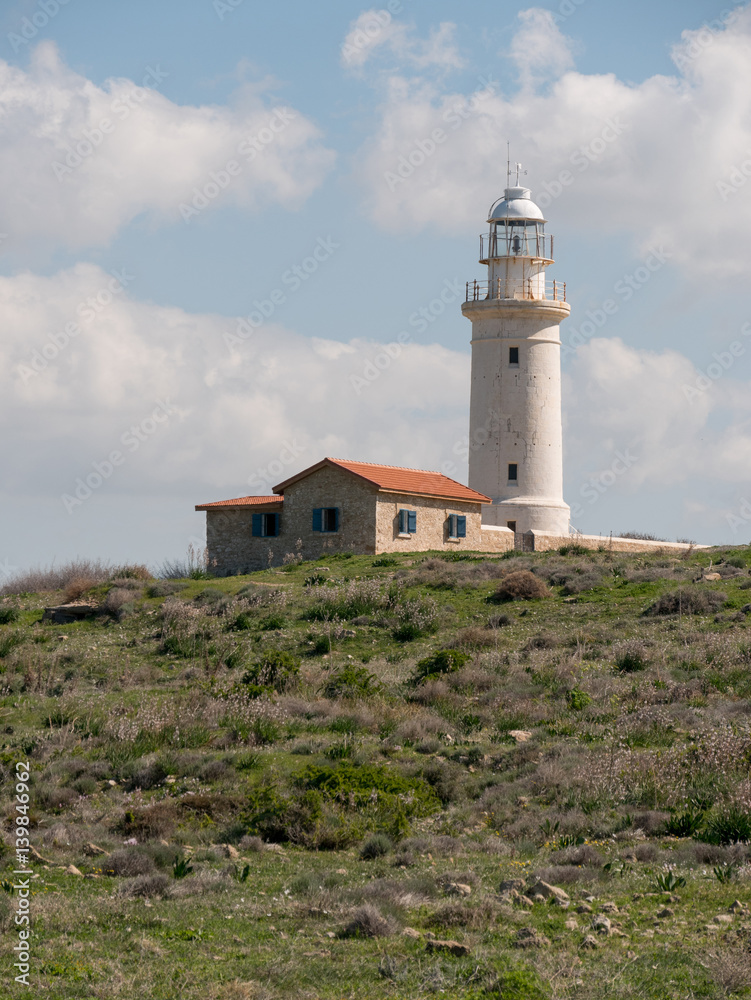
(515, 444)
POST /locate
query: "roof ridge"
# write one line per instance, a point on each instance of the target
(403, 468)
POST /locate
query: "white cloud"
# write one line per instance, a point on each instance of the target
(240, 420)
(233, 411)
(68, 178)
(376, 30)
(619, 398)
(539, 49)
(649, 159)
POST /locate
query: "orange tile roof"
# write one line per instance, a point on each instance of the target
(241, 502)
(393, 479)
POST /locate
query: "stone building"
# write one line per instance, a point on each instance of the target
(515, 498)
(358, 507)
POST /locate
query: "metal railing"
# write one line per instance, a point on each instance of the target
(516, 288)
(516, 243)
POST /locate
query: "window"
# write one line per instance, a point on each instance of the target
(457, 526)
(326, 519)
(513, 355)
(511, 525)
(407, 522)
(513, 473)
(266, 525)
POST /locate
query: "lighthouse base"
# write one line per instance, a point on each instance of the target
(529, 514)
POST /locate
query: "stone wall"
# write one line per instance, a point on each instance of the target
(496, 539)
(432, 524)
(232, 547)
(545, 541)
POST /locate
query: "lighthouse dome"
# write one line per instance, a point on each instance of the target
(516, 204)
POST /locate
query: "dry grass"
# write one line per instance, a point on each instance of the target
(54, 578)
(521, 585)
(367, 921)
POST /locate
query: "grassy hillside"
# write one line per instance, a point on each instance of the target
(297, 784)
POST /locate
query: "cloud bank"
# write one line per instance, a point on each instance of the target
(81, 161)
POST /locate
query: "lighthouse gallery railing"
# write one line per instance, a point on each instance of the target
(516, 288)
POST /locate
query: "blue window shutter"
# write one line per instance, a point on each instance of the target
(272, 525)
(336, 518)
(258, 525)
(318, 519)
(412, 521)
(461, 527)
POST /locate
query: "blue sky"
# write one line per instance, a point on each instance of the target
(351, 90)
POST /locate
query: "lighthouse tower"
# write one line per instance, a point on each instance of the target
(515, 443)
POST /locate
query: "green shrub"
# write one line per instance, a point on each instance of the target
(247, 761)
(385, 561)
(273, 622)
(445, 661)
(185, 646)
(578, 699)
(370, 786)
(244, 622)
(684, 824)
(668, 882)
(234, 659)
(631, 661)
(351, 681)
(376, 847)
(9, 615)
(9, 642)
(732, 826)
(573, 550)
(518, 984)
(182, 868)
(265, 731)
(277, 669)
(321, 646)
